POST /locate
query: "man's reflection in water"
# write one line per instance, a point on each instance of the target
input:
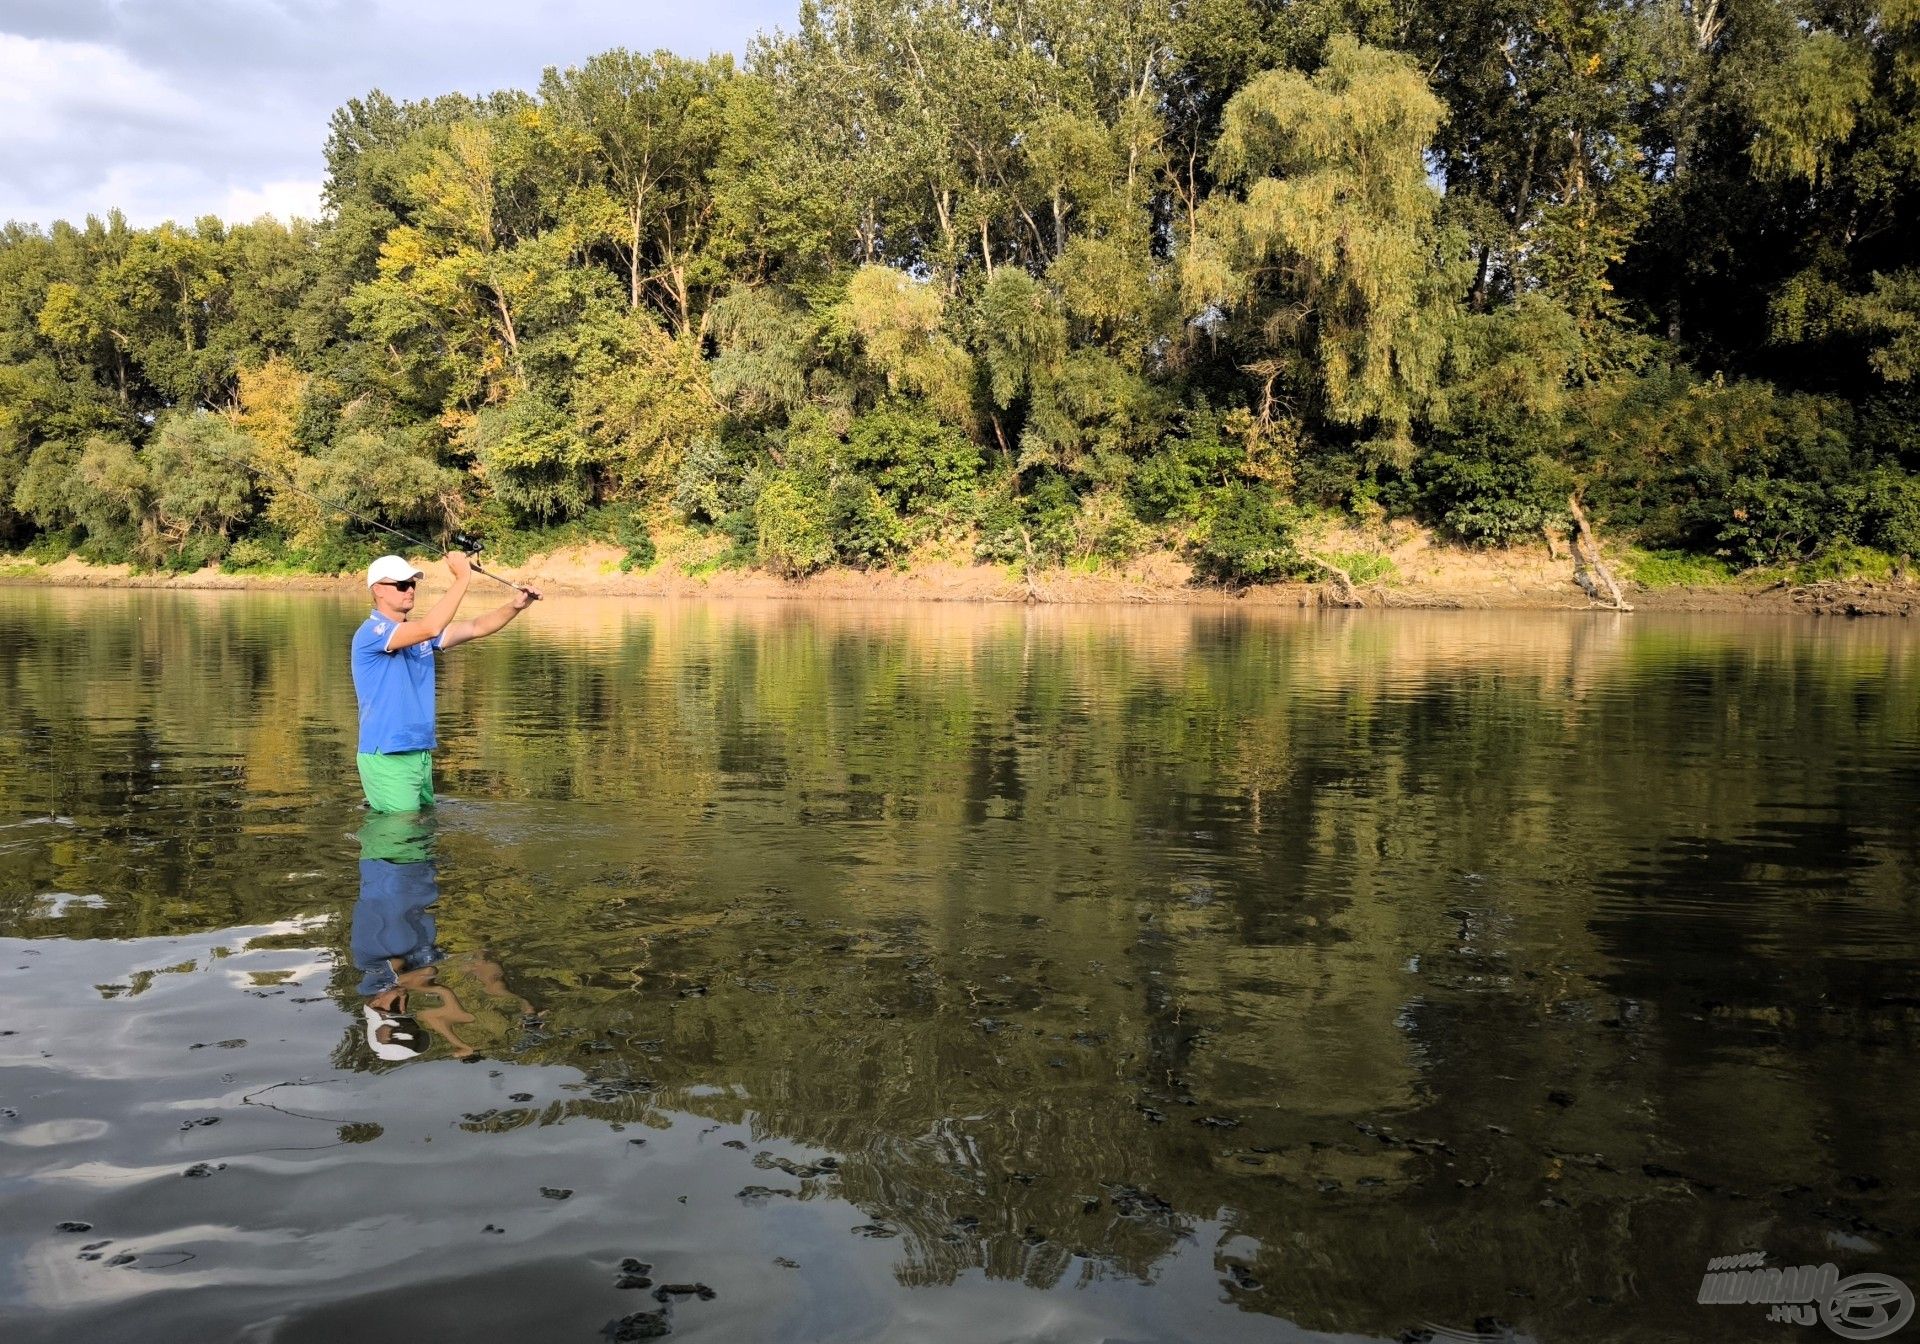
(393, 940)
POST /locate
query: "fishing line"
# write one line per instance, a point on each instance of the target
(468, 545)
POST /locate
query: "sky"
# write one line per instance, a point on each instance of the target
(173, 109)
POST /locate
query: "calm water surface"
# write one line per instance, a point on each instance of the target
(955, 974)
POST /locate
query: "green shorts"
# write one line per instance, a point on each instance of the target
(400, 782)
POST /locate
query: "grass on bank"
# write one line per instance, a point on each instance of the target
(1676, 569)
(1364, 567)
(1684, 569)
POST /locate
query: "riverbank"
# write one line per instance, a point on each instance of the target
(1419, 573)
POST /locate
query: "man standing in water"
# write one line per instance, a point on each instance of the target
(393, 676)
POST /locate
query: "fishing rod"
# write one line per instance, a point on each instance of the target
(466, 544)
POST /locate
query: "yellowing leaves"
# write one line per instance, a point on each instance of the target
(1331, 249)
(1809, 106)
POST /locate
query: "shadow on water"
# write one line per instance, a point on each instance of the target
(802, 973)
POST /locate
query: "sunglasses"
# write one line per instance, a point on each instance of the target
(399, 585)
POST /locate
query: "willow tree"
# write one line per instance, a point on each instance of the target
(900, 322)
(1322, 243)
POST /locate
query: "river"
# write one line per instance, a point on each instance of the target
(954, 973)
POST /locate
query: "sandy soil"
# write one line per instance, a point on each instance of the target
(1425, 574)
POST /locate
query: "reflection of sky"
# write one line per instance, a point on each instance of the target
(227, 1075)
(175, 109)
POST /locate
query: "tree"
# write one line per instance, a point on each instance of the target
(648, 130)
(1327, 254)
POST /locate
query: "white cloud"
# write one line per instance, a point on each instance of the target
(46, 85)
(292, 199)
(171, 109)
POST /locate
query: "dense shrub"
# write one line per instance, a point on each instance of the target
(791, 530)
(1889, 511)
(533, 459)
(1172, 482)
(1737, 469)
(1248, 536)
(1105, 530)
(864, 529)
(918, 462)
(1768, 520)
(1039, 524)
(630, 532)
(194, 552)
(1492, 494)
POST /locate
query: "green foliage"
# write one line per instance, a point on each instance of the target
(1492, 494)
(1093, 417)
(1889, 313)
(1733, 468)
(1769, 520)
(1330, 250)
(1889, 512)
(390, 474)
(112, 492)
(864, 528)
(1022, 334)
(900, 323)
(532, 458)
(1845, 561)
(1248, 536)
(1036, 527)
(1809, 104)
(792, 525)
(630, 532)
(198, 467)
(921, 464)
(1105, 530)
(56, 544)
(194, 552)
(1057, 273)
(255, 555)
(1216, 449)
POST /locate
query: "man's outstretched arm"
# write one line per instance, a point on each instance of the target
(462, 631)
(440, 616)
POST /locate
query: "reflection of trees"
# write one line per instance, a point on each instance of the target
(1067, 932)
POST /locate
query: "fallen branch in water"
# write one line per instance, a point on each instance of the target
(1589, 570)
(1026, 571)
(1348, 594)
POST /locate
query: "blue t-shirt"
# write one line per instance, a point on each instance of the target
(395, 690)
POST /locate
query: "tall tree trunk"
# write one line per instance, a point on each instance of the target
(633, 261)
(513, 340)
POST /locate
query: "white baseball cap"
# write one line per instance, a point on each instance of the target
(390, 569)
(404, 1038)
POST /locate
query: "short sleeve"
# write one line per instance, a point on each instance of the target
(372, 637)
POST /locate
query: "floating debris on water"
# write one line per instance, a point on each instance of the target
(667, 1291)
(640, 1325)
